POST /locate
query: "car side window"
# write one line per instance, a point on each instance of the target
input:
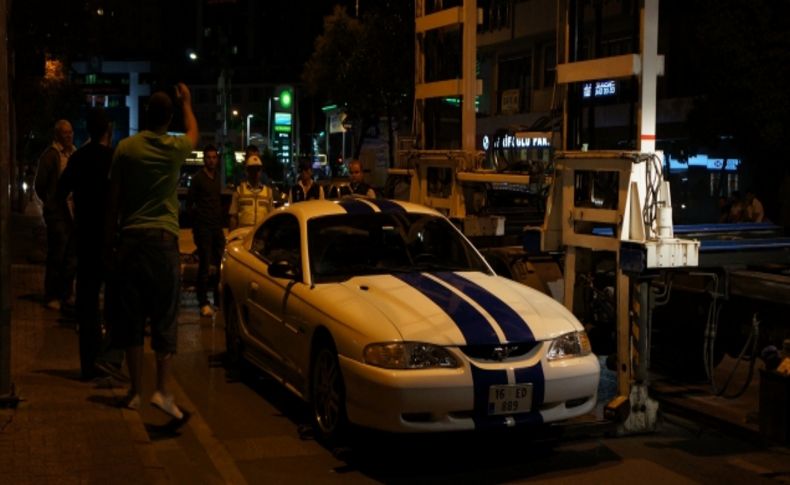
(277, 239)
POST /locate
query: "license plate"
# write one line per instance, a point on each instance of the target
(510, 399)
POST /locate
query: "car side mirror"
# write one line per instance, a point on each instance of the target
(283, 269)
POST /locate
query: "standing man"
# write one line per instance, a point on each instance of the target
(204, 203)
(144, 178)
(356, 179)
(61, 258)
(305, 188)
(86, 178)
(356, 182)
(252, 199)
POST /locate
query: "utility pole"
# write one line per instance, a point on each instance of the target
(7, 395)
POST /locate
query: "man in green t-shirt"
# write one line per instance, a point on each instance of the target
(144, 210)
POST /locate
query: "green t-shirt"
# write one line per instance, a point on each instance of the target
(147, 166)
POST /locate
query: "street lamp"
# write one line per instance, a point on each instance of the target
(249, 117)
(269, 121)
(235, 114)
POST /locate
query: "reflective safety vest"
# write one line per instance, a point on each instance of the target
(254, 204)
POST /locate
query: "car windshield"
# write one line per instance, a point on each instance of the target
(343, 246)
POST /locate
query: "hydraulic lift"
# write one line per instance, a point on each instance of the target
(615, 202)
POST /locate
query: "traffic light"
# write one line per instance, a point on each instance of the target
(284, 98)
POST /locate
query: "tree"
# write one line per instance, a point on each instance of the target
(366, 66)
(740, 62)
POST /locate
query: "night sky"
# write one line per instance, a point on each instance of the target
(272, 40)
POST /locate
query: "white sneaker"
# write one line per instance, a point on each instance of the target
(206, 311)
(166, 404)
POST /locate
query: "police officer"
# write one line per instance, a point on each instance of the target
(252, 199)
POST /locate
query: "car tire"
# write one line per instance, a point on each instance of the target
(328, 396)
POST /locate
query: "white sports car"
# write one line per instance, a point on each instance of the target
(382, 314)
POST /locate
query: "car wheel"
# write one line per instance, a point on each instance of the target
(328, 395)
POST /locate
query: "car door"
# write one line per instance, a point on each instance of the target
(277, 239)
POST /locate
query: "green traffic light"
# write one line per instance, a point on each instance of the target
(286, 98)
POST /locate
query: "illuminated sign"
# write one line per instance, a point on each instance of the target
(599, 89)
(518, 140)
(103, 83)
(703, 161)
(282, 136)
(282, 119)
(510, 141)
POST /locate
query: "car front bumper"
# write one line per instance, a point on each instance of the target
(431, 400)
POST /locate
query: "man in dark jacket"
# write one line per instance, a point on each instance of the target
(356, 180)
(204, 203)
(86, 178)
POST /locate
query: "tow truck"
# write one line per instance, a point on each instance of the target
(610, 205)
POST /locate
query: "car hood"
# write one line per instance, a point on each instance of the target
(447, 308)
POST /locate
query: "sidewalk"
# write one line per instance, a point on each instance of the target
(63, 430)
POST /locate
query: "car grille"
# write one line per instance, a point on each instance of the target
(498, 353)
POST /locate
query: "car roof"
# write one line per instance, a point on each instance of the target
(354, 205)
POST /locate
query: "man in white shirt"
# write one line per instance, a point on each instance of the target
(61, 251)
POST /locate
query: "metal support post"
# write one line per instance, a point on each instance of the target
(652, 66)
(624, 371)
(270, 122)
(569, 273)
(7, 394)
(249, 117)
(469, 77)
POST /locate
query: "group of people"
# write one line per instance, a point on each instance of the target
(306, 188)
(741, 208)
(252, 200)
(112, 219)
(122, 205)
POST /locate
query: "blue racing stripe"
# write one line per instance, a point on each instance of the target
(472, 324)
(482, 380)
(533, 375)
(356, 206)
(513, 326)
(387, 205)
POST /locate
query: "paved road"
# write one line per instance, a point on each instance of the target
(255, 432)
(252, 431)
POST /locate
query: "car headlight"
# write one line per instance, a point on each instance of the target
(574, 344)
(408, 355)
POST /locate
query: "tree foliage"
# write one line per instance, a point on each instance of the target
(741, 51)
(742, 66)
(365, 65)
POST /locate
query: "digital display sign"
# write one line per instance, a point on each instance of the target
(599, 89)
